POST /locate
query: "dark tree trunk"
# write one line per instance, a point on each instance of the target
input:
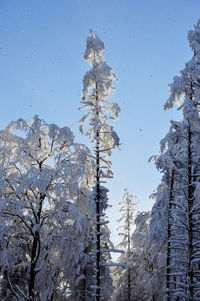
(98, 211)
(35, 252)
(168, 259)
(129, 251)
(129, 285)
(33, 265)
(190, 206)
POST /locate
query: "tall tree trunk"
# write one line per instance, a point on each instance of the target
(168, 259)
(190, 207)
(33, 265)
(129, 285)
(35, 252)
(129, 250)
(98, 210)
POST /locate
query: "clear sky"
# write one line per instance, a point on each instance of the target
(42, 66)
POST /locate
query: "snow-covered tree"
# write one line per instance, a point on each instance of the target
(97, 87)
(167, 226)
(126, 228)
(180, 161)
(42, 230)
(139, 265)
(186, 90)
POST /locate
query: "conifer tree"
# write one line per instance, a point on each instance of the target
(180, 163)
(97, 87)
(168, 223)
(126, 228)
(186, 90)
(138, 266)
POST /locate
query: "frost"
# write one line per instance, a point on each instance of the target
(44, 204)
(93, 44)
(194, 38)
(152, 159)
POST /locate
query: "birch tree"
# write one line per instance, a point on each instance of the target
(42, 173)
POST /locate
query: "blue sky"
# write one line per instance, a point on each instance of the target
(42, 66)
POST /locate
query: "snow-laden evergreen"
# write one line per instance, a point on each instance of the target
(135, 281)
(125, 231)
(168, 222)
(97, 87)
(179, 161)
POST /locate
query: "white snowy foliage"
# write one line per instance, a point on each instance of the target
(188, 83)
(93, 44)
(42, 231)
(97, 87)
(126, 220)
(194, 38)
(177, 208)
(139, 267)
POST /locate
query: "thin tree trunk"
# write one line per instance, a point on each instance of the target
(129, 250)
(129, 285)
(190, 206)
(83, 293)
(98, 211)
(168, 259)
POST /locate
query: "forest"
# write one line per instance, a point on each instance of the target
(54, 233)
